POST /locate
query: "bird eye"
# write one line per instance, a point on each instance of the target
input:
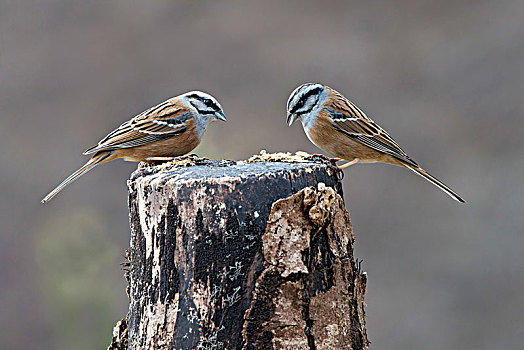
(209, 103)
(306, 103)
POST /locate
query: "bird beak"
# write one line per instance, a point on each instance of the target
(220, 115)
(291, 118)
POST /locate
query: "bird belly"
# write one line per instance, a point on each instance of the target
(340, 145)
(171, 147)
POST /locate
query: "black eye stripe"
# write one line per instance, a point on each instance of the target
(211, 104)
(207, 102)
(297, 92)
(304, 98)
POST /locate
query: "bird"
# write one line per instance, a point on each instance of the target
(170, 129)
(337, 126)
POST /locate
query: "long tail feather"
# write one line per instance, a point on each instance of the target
(436, 182)
(97, 159)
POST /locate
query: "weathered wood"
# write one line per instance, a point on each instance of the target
(247, 255)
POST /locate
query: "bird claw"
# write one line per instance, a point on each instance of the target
(333, 166)
(332, 160)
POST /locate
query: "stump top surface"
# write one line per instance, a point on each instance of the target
(194, 168)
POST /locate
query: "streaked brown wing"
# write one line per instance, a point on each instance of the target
(157, 123)
(367, 132)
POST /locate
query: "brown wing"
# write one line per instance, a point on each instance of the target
(351, 121)
(157, 123)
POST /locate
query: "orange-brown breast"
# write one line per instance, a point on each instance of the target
(175, 146)
(336, 143)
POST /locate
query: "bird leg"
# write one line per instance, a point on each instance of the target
(160, 159)
(343, 166)
(332, 160)
(169, 159)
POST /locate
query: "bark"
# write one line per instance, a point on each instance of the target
(247, 255)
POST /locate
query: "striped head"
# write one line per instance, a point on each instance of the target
(203, 106)
(305, 102)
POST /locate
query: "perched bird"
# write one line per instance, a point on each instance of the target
(171, 129)
(340, 128)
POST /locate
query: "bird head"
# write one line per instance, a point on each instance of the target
(204, 106)
(305, 101)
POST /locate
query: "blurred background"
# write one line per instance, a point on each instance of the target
(445, 78)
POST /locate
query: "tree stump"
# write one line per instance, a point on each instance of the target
(241, 255)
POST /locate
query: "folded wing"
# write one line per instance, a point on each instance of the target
(155, 124)
(364, 130)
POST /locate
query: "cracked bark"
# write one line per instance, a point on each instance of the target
(228, 255)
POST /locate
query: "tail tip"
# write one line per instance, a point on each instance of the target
(461, 200)
(48, 197)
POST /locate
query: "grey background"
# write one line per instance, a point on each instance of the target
(444, 78)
